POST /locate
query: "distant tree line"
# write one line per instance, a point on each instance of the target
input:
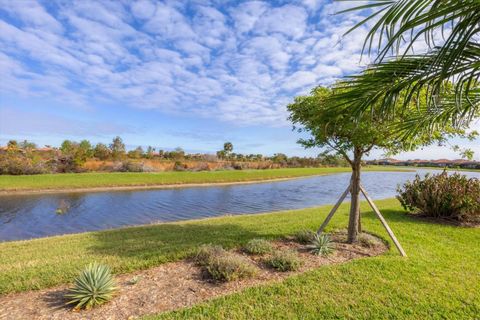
(26, 158)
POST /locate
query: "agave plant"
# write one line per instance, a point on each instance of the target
(321, 245)
(94, 286)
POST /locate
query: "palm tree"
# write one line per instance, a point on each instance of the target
(455, 59)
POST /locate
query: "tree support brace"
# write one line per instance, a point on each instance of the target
(375, 209)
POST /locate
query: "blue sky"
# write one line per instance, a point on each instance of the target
(173, 73)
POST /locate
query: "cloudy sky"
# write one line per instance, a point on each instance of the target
(172, 73)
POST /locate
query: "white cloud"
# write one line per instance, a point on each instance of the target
(312, 4)
(240, 63)
(267, 49)
(32, 14)
(143, 9)
(299, 80)
(168, 23)
(20, 123)
(289, 20)
(247, 14)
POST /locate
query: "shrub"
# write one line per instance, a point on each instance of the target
(258, 246)
(367, 240)
(229, 266)
(207, 252)
(178, 166)
(237, 166)
(321, 245)
(304, 236)
(202, 166)
(284, 260)
(17, 163)
(94, 286)
(443, 196)
(222, 265)
(129, 166)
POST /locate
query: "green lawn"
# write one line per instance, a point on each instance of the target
(102, 179)
(440, 279)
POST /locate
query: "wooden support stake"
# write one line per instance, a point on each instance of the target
(384, 222)
(334, 209)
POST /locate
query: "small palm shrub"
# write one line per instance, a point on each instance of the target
(304, 236)
(95, 285)
(443, 196)
(229, 267)
(258, 246)
(284, 260)
(321, 245)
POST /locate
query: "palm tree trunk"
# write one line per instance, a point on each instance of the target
(354, 218)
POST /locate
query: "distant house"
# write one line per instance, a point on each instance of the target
(441, 163)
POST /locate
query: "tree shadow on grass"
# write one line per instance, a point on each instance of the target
(409, 219)
(167, 242)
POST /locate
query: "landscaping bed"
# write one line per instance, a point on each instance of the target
(182, 284)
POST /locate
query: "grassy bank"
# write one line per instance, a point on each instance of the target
(439, 279)
(125, 179)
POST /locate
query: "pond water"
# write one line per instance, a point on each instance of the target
(33, 216)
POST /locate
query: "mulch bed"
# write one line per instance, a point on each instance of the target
(174, 285)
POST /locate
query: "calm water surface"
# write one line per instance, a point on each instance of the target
(33, 216)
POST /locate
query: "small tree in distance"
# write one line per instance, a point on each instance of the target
(227, 148)
(342, 133)
(117, 148)
(101, 151)
(150, 152)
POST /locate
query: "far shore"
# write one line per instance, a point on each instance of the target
(101, 181)
(151, 187)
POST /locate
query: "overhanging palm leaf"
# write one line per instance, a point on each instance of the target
(401, 21)
(382, 83)
(457, 59)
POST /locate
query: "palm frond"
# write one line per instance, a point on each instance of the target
(382, 83)
(408, 20)
(402, 23)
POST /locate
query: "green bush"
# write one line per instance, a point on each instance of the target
(222, 265)
(95, 285)
(367, 240)
(16, 163)
(321, 245)
(443, 196)
(131, 166)
(284, 260)
(206, 252)
(229, 266)
(258, 246)
(304, 236)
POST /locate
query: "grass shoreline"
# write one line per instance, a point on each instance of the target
(96, 181)
(439, 278)
(49, 261)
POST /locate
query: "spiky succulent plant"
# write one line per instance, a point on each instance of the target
(95, 285)
(321, 245)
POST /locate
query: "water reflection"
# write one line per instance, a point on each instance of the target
(31, 216)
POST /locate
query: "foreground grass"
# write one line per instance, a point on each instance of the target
(440, 279)
(103, 179)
